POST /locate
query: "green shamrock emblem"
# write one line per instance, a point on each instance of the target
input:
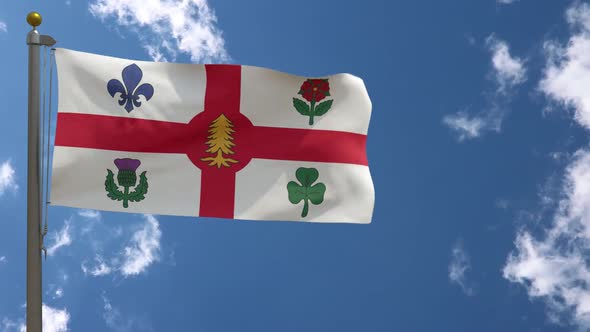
(127, 178)
(306, 191)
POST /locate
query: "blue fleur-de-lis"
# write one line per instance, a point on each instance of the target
(129, 91)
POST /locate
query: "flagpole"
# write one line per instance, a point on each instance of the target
(34, 297)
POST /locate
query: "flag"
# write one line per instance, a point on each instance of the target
(223, 141)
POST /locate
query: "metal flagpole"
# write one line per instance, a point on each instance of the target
(35, 41)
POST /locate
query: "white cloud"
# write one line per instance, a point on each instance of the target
(567, 74)
(54, 320)
(7, 325)
(7, 177)
(55, 289)
(502, 203)
(3, 27)
(468, 127)
(459, 265)
(509, 71)
(141, 251)
(186, 26)
(506, 2)
(112, 316)
(91, 217)
(118, 322)
(61, 239)
(554, 266)
(90, 214)
(101, 268)
(144, 248)
(64, 276)
(155, 53)
(464, 126)
(59, 293)
(2, 259)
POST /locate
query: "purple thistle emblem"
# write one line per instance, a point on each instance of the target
(127, 178)
(127, 164)
(129, 91)
(127, 168)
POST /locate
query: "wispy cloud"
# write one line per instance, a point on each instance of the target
(59, 293)
(458, 267)
(167, 27)
(3, 27)
(2, 259)
(90, 214)
(112, 316)
(91, 219)
(144, 248)
(567, 74)
(506, 2)
(8, 325)
(141, 251)
(60, 239)
(502, 203)
(116, 321)
(467, 127)
(56, 289)
(54, 320)
(100, 268)
(554, 266)
(7, 178)
(507, 72)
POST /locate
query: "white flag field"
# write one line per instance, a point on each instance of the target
(221, 141)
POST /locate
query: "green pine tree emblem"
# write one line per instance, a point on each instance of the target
(306, 191)
(127, 178)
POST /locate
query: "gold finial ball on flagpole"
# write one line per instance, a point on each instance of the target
(34, 19)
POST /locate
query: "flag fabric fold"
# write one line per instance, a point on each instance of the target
(224, 141)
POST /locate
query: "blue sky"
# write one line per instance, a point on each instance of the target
(477, 145)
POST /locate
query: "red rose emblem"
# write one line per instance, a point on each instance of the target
(315, 89)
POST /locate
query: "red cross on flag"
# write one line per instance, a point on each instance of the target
(223, 141)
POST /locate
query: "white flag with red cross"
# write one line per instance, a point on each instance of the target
(223, 141)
